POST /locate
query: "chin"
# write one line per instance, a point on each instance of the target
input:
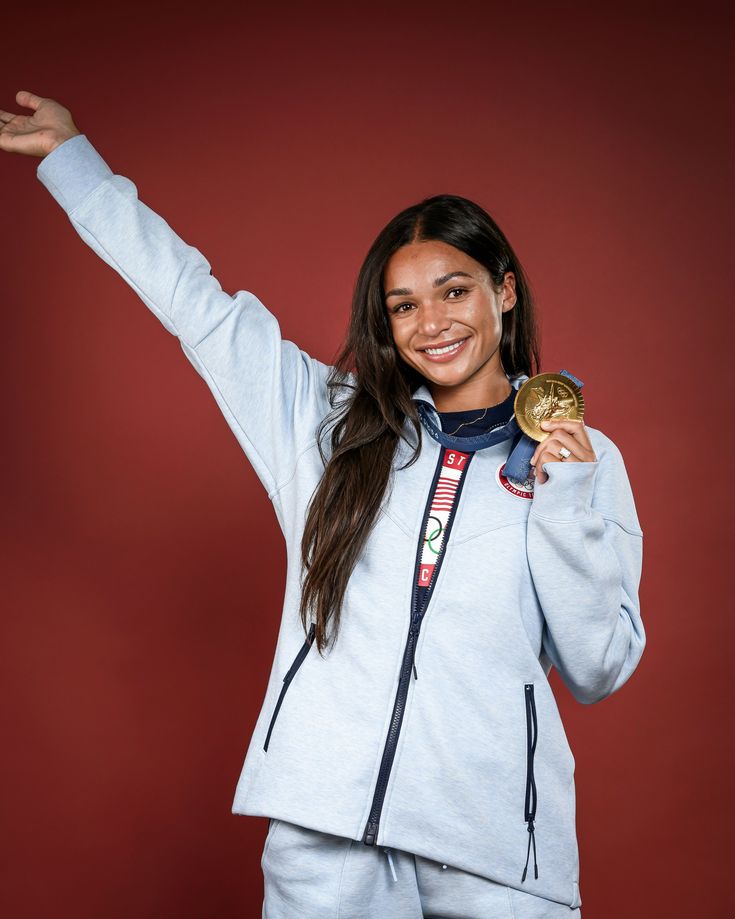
(447, 379)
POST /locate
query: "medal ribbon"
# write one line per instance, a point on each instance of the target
(518, 465)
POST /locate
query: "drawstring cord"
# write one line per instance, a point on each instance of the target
(390, 862)
(531, 838)
(530, 809)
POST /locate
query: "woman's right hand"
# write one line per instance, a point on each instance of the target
(37, 134)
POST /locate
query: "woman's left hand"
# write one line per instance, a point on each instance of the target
(565, 432)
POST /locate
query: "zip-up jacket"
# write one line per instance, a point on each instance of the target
(429, 726)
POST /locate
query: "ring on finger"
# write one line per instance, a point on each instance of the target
(564, 453)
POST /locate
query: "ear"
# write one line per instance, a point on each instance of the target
(508, 292)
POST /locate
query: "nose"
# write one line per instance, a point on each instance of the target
(433, 319)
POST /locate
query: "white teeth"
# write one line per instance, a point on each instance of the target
(444, 350)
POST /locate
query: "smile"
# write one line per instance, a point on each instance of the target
(445, 353)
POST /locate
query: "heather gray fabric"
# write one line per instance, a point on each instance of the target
(525, 584)
(315, 875)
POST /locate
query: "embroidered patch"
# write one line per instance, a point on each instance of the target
(519, 489)
(454, 464)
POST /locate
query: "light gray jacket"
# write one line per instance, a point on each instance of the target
(481, 765)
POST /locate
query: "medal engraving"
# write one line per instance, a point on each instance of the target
(546, 395)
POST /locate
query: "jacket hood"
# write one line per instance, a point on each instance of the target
(522, 447)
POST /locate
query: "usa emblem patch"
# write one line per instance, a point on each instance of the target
(519, 489)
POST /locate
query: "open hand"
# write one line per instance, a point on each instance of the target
(564, 432)
(37, 134)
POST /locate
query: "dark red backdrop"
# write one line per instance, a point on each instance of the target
(143, 564)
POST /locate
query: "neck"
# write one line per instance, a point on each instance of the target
(472, 395)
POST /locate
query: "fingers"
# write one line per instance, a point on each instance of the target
(548, 452)
(573, 426)
(562, 432)
(29, 100)
(559, 439)
(8, 142)
(7, 131)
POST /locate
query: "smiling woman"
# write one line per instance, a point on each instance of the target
(418, 761)
(458, 328)
(407, 300)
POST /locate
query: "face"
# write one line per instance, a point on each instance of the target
(437, 296)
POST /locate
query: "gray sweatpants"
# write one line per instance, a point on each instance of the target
(313, 875)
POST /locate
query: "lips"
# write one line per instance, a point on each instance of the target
(459, 343)
(443, 344)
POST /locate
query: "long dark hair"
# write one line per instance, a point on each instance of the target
(370, 420)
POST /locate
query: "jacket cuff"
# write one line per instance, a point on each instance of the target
(72, 170)
(567, 493)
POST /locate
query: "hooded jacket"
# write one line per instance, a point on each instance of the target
(465, 761)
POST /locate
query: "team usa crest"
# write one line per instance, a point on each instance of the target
(519, 489)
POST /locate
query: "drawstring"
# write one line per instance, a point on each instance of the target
(390, 862)
(531, 837)
(530, 810)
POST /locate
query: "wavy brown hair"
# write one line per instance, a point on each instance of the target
(369, 422)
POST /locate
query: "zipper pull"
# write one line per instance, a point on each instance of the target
(414, 632)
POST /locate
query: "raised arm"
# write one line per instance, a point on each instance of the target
(272, 393)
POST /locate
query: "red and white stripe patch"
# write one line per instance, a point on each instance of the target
(442, 502)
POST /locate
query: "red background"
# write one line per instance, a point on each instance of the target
(142, 562)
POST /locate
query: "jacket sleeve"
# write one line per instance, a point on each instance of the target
(585, 551)
(272, 393)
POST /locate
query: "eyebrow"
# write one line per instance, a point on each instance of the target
(437, 282)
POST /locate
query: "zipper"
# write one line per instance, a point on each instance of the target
(530, 803)
(407, 665)
(298, 661)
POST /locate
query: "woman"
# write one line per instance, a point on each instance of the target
(409, 750)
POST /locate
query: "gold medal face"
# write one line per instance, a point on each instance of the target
(547, 395)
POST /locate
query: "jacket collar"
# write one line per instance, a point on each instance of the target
(429, 415)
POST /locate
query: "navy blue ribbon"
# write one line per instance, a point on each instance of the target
(518, 465)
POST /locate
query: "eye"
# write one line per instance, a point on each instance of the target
(460, 290)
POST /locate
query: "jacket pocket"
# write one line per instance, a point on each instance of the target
(529, 813)
(298, 661)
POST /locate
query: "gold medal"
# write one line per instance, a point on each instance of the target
(547, 395)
